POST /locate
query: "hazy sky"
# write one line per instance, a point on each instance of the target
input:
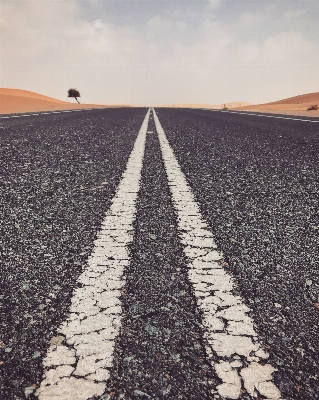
(150, 52)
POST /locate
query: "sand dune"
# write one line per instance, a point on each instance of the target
(309, 98)
(294, 106)
(27, 93)
(19, 101)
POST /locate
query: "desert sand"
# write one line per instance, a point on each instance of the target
(20, 101)
(292, 106)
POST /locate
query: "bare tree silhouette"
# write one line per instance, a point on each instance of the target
(74, 93)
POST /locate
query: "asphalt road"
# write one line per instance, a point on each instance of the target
(255, 180)
(52, 204)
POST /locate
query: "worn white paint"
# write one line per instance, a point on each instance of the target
(77, 367)
(264, 115)
(45, 113)
(228, 328)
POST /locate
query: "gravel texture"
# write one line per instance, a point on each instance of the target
(159, 352)
(256, 180)
(58, 175)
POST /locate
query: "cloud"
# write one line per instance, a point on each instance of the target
(294, 14)
(214, 3)
(53, 32)
(171, 55)
(99, 24)
(158, 24)
(249, 51)
(30, 27)
(249, 19)
(283, 48)
(286, 47)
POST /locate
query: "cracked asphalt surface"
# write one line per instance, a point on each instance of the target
(52, 204)
(160, 352)
(255, 180)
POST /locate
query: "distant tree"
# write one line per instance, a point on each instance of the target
(74, 93)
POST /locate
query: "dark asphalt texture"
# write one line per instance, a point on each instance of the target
(159, 353)
(256, 181)
(52, 202)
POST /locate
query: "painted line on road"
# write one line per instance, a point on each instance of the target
(77, 364)
(228, 330)
(263, 115)
(43, 113)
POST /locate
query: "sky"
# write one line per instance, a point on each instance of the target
(150, 52)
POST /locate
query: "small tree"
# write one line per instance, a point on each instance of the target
(74, 93)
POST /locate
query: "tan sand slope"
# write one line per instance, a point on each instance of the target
(294, 106)
(27, 93)
(19, 101)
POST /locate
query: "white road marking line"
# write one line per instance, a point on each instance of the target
(78, 367)
(213, 290)
(18, 116)
(267, 116)
(30, 115)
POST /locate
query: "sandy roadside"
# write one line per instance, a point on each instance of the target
(20, 101)
(297, 105)
(300, 113)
